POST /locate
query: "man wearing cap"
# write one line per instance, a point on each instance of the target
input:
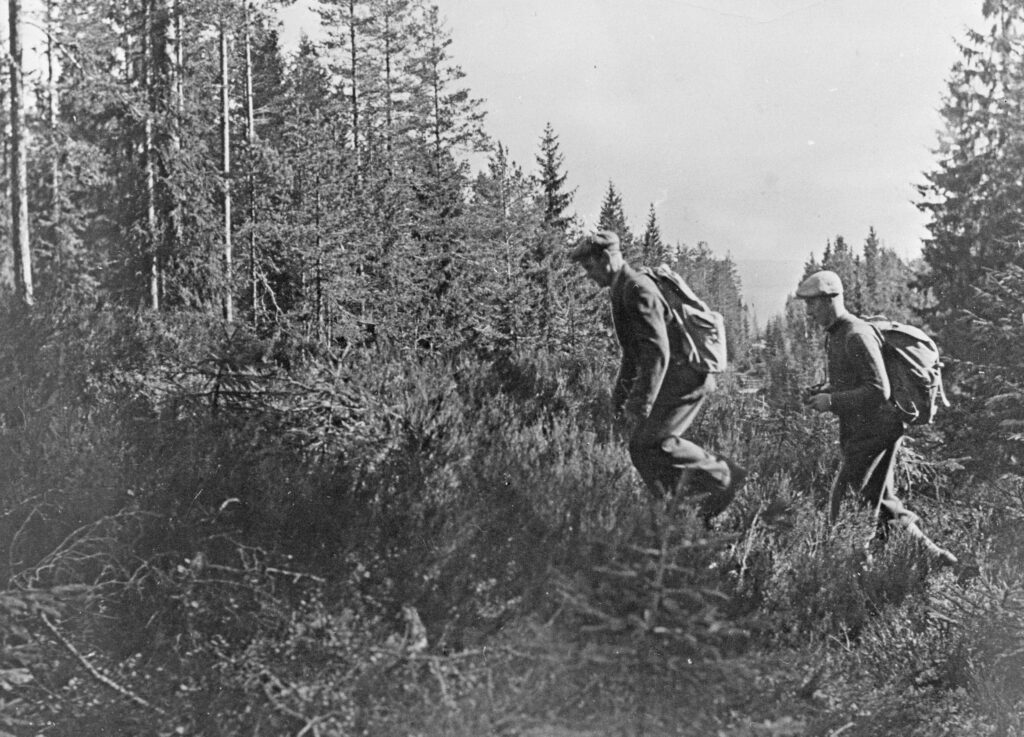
(857, 392)
(657, 394)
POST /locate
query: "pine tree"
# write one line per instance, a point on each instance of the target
(308, 200)
(346, 25)
(261, 88)
(872, 284)
(452, 116)
(876, 281)
(504, 221)
(889, 283)
(449, 121)
(391, 39)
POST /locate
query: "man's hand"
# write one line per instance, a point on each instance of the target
(819, 402)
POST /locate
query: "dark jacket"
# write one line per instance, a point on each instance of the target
(859, 382)
(653, 369)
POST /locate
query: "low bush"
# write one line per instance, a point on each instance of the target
(267, 538)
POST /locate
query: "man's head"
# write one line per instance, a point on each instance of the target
(823, 293)
(600, 255)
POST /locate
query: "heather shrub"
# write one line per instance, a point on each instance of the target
(275, 537)
(985, 614)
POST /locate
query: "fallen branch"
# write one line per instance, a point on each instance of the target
(95, 672)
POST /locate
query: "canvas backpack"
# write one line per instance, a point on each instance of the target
(701, 329)
(914, 369)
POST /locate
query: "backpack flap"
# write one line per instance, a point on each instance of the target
(701, 330)
(914, 369)
(705, 338)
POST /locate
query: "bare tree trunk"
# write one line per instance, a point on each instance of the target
(355, 91)
(250, 140)
(6, 260)
(19, 170)
(122, 14)
(320, 309)
(149, 156)
(173, 50)
(51, 122)
(389, 120)
(229, 306)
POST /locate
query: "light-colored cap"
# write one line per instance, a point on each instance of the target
(603, 241)
(820, 284)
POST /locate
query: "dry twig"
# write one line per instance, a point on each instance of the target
(95, 672)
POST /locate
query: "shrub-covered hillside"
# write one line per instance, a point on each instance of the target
(201, 541)
(305, 429)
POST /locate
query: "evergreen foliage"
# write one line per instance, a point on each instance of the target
(876, 281)
(973, 194)
(390, 498)
(613, 217)
(718, 283)
(653, 249)
(973, 254)
(554, 199)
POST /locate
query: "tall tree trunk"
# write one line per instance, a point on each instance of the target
(19, 171)
(389, 117)
(250, 141)
(225, 99)
(149, 154)
(320, 321)
(123, 16)
(354, 100)
(175, 62)
(51, 122)
(6, 262)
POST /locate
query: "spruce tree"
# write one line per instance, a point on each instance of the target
(612, 217)
(554, 199)
(973, 195)
(504, 222)
(973, 253)
(653, 249)
(310, 204)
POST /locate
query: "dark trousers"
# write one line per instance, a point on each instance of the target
(669, 463)
(868, 470)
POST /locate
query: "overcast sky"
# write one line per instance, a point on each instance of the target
(763, 127)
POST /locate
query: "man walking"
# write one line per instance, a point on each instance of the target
(857, 392)
(657, 394)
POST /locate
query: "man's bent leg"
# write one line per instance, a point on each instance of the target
(874, 477)
(666, 460)
(869, 466)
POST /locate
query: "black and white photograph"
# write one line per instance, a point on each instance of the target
(519, 368)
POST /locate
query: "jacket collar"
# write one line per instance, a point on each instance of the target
(844, 319)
